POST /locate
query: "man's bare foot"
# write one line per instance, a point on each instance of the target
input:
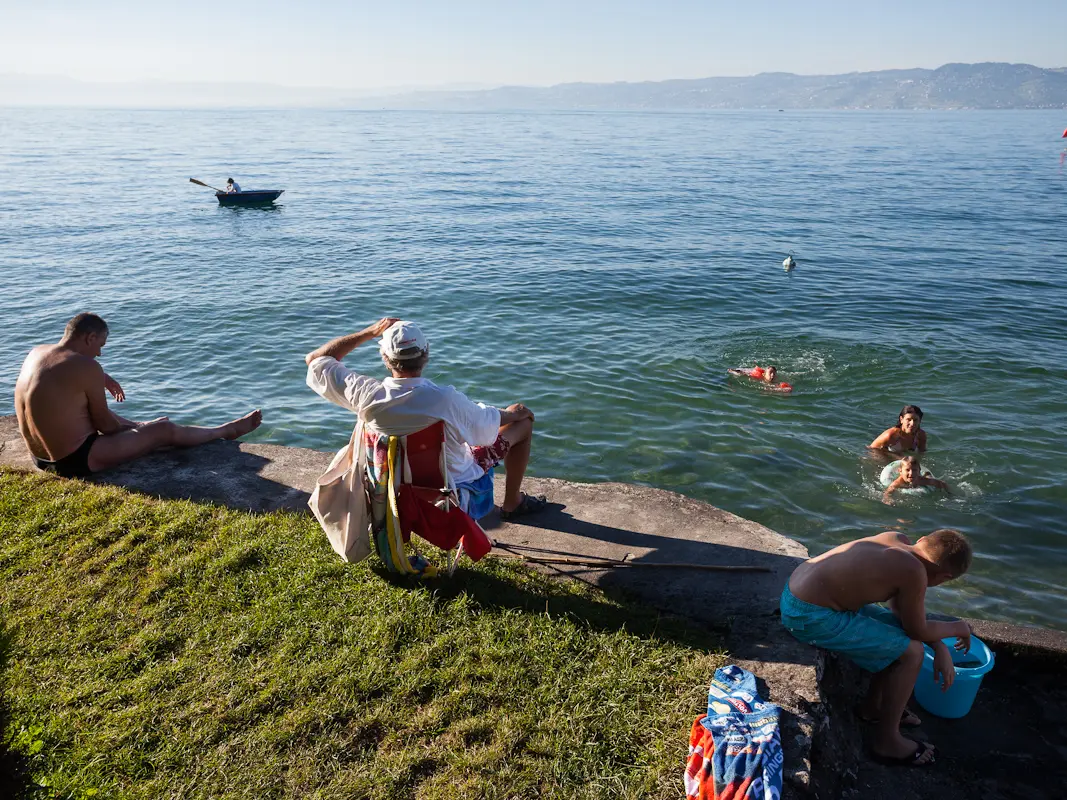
(246, 424)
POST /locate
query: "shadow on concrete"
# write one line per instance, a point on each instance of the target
(219, 472)
(248, 477)
(709, 596)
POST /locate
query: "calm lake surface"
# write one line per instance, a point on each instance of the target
(606, 269)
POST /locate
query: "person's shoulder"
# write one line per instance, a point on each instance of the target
(886, 436)
(900, 562)
(88, 367)
(891, 538)
(447, 389)
(55, 356)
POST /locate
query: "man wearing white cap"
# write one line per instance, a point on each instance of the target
(477, 436)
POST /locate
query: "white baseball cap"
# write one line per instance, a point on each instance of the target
(403, 340)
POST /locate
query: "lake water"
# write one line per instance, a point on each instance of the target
(606, 269)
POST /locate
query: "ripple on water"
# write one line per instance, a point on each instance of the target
(607, 270)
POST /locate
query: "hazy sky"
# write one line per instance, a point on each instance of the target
(401, 42)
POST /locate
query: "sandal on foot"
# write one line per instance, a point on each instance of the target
(912, 760)
(527, 505)
(908, 719)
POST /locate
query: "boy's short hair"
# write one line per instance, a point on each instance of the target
(950, 550)
(913, 460)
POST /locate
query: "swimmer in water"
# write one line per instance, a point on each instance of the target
(905, 436)
(911, 477)
(765, 375)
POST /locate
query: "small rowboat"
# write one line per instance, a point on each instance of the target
(252, 197)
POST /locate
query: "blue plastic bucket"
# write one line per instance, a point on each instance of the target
(959, 698)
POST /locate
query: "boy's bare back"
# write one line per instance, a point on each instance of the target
(870, 570)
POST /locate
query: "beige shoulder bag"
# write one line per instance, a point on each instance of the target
(339, 501)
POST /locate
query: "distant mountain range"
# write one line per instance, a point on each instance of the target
(953, 86)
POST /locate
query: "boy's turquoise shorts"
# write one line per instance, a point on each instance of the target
(871, 637)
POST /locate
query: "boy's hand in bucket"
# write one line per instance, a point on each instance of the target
(944, 669)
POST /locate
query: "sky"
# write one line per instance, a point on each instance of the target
(401, 43)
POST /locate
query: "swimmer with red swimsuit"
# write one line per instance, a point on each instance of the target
(765, 375)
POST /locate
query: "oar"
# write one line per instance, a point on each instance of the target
(201, 183)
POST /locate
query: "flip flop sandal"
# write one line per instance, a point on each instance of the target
(908, 719)
(913, 760)
(528, 505)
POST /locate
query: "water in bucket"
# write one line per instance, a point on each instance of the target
(970, 668)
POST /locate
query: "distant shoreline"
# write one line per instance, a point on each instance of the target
(984, 86)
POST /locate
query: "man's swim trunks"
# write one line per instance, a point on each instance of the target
(476, 497)
(489, 457)
(76, 465)
(871, 637)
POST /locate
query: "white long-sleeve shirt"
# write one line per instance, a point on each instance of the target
(400, 406)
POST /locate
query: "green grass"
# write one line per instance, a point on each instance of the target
(174, 650)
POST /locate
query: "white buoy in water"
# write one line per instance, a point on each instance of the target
(789, 262)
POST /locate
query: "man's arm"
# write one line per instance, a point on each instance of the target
(99, 414)
(911, 606)
(343, 345)
(113, 388)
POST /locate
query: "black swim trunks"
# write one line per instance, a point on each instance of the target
(76, 465)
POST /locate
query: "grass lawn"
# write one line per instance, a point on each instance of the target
(169, 649)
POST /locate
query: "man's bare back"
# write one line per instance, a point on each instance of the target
(51, 401)
(64, 417)
(865, 571)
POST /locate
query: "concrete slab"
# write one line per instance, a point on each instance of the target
(251, 477)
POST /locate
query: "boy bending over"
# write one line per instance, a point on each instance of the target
(828, 601)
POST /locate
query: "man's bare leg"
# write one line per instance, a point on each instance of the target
(113, 449)
(895, 685)
(520, 435)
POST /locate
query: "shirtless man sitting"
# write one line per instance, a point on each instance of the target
(64, 418)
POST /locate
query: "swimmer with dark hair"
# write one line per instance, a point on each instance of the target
(765, 375)
(905, 436)
(911, 477)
